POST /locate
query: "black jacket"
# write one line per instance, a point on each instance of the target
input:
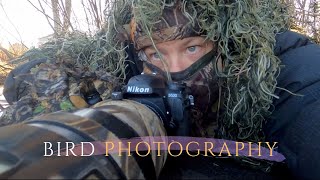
(295, 121)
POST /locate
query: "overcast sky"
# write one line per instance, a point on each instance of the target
(27, 21)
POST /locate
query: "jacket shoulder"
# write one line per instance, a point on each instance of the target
(300, 62)
(299, 76)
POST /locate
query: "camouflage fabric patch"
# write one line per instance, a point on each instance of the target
(19, 110)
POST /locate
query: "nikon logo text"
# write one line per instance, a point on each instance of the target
(135, 89)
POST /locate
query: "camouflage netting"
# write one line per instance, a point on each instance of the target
(93, 53)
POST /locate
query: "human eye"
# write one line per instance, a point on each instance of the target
(193, 49)
(155, 56)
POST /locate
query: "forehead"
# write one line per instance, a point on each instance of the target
(180, 42)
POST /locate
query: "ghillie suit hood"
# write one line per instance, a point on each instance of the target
(244, 32)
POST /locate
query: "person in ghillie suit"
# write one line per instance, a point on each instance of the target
(252, 78)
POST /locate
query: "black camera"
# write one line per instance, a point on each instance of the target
(168, 100)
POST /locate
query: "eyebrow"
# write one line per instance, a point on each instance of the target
(149, 48)
(202, 41)
(186, 42)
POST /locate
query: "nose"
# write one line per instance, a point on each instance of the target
(175, 64)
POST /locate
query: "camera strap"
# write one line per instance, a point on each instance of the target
(134, 66)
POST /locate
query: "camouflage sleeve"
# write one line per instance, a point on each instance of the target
(53, 87)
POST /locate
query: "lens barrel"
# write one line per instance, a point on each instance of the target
(22, 146)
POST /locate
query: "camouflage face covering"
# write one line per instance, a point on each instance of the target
(202, 81)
